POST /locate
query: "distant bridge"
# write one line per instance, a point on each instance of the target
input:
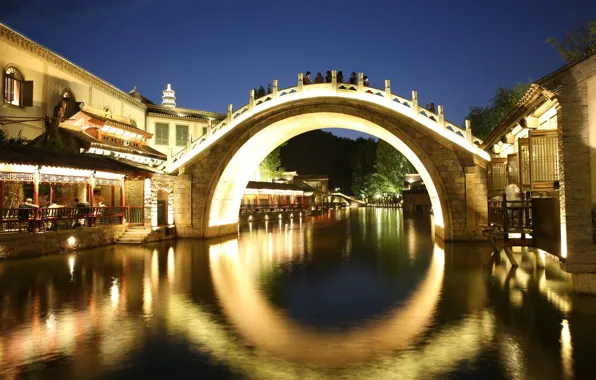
(351, 201)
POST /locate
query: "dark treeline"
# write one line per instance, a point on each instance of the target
(364, 167)
(319, 152)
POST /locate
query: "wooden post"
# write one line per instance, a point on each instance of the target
(1, 199)
(122, 193)
(51, 193)
(505, 218)
(36, 187)
(113, 196)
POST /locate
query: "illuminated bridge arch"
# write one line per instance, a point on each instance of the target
(448, 159)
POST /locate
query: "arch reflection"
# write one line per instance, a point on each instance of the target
(235, 277)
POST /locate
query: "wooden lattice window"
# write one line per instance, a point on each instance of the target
(539, 160)
(545, 157)
(523, 149)
(498, 176)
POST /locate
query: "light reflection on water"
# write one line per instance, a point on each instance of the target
(356, 294)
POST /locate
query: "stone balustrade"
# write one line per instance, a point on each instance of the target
(384, 97)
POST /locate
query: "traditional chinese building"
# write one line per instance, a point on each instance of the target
(415, 196)
(545, 148)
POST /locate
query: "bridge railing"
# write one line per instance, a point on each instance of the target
(435, 121)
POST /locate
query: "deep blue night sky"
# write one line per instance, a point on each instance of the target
(454, 53)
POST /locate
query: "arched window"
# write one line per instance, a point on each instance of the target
(17, 91)
(72, 107)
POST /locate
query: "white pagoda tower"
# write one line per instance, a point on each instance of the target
(168, 99)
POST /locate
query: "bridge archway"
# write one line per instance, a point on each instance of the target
(228, 192)
(454, 175)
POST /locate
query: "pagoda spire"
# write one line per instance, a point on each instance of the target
(168, 99)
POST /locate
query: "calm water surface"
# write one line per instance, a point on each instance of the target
(357, 294)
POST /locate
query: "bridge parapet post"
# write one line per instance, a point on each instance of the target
(229, 118)
(188, 142)
(275, 88)
(415, 103)
(360, 82)
(334, 80)
(469, 131)
(388, 89)
(251, 100)
(441, 116)
(209, 128)
(300, 82)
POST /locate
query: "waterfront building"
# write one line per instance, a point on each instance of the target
(415, 196)
(546, 148)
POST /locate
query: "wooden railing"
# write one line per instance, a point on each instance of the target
(511, 216)
(435, 121)
(49, 219)
(269, 208)
(135, 215)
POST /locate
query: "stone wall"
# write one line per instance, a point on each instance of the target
(22, 245)
(448, 165)
(576, 170)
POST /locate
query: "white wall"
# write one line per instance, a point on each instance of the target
(48, 84)
(195, 129)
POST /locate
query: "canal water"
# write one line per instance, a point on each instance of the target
(354, 294)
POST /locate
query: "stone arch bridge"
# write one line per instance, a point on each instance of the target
(217, 166)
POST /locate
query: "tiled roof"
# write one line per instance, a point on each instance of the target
(119, 123)
(144, 151)
(28, 155)
(184, 113)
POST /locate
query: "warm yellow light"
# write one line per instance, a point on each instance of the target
(232, 183)
(563, 240)
(71, 263)
(115, 293)
(327, 90)
(71, 241)
(566, 350)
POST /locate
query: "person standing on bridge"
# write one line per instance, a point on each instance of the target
(306, 79)
(353, 79)
(329, 77)
(319, 78)
(340, 77)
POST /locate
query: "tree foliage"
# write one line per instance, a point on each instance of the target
(4, 139)
(576, 43)
(485, 118)
(362, 162)
(378, 170)
(270, 168)
(393, 165)
(377, 185)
